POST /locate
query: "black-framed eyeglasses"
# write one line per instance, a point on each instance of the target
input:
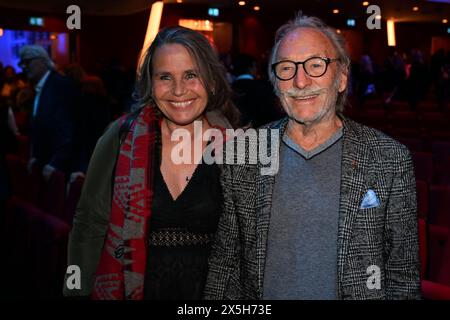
(314, 67)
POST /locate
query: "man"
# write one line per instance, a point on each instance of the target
(338, 219)
(52, 128)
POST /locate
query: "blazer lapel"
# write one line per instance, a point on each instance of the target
(355, 173)
(264, 192)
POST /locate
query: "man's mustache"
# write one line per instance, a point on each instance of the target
(300, 93)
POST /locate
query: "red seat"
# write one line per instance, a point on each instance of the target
(435, 291)
(23, 147)
(435, 121)
(437, 284)
(422, 198)
(52, 195)
(18, 251)
(400, 133)
(373, 104)
(23, 185)
(437, 240)
(22, 121)
(439, 213)
(396, 105)
(376, 118)
(441, 162)
(48, 257)
(423, 164)
(423, 247)
(427, 106)
(413, 144)
(404, 120)
(36, 255)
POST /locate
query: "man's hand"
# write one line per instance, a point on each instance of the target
(75, 175)
(47, 171)
(30, 165)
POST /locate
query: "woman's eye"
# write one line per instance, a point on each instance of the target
(164, 77)
(191, 76)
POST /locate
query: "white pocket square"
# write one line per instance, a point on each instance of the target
(370, 200)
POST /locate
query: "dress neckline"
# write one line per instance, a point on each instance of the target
(185, 189)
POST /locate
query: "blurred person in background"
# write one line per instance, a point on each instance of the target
(51, 118)
(253, 97)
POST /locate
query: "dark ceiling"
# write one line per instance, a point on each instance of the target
(401, 10)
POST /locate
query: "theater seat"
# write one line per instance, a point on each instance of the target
(441, 161)
(404, 120)
(422, 198)
(36, 255)
(440, 205)
(413, 144)
(437, 240)
(435, 291)
(423, 247)
(437, 284)
(23, 147)
(423, 166)
(48, 254)
(20, 179)
(52, 195)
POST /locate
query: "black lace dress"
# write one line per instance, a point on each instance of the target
(180, 235)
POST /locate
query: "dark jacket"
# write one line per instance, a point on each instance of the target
(52, 126)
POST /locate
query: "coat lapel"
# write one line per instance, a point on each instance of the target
(264, 192)
(355, 177)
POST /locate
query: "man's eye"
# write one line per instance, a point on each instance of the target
(316, 65)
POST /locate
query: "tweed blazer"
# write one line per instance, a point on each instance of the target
(384, 236)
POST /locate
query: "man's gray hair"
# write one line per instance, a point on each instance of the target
(36, 51)
(338, 42)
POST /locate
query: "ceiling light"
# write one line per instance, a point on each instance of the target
(444, 20)
(241, 3)
(365, 3)
(256, 8)
(335, 11)
(415, 9)
(391, 33)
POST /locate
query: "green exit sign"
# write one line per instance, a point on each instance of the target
(36, 21)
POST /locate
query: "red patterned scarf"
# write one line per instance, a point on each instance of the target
(121, 270)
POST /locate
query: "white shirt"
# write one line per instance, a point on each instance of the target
(38, 88)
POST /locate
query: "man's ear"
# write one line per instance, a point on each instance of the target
(343, 80)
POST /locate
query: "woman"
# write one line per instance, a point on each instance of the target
(150, 237)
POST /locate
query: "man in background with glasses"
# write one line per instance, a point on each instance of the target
(338, 220)
(52, 133)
